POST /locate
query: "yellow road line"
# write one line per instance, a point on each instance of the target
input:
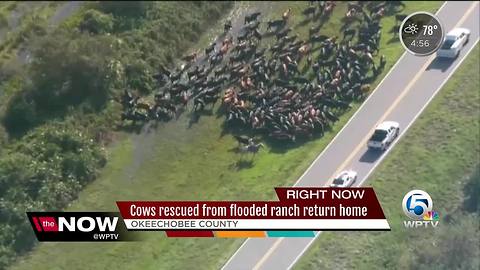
(364, 140)
(395, 103)
(356, 150)
(269, 252)
(384, 116)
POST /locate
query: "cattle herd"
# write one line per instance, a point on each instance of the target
(289, 89)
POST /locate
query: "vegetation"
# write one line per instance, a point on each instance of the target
(65, 72)
(58, 112)
(42, 172)
(72, 68)
(96, 22)
(184, 162)
(443, 150)
(23, 22)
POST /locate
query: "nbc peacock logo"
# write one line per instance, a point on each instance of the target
(431, 215)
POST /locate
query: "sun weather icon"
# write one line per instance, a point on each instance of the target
(411, 29)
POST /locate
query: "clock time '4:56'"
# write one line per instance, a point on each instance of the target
(420, 43)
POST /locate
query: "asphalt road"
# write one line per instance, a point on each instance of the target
(401, 97)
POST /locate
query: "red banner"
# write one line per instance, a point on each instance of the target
(293, 203)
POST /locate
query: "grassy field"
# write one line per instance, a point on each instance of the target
(185, 162)
(443, 150)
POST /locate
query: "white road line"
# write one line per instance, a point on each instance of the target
(362, 142)
(388, 150)
(333, 140)
(398, 139)
(277, 242)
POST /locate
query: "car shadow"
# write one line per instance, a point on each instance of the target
(370, 156)
(441, 63)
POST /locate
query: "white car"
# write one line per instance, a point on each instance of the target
(453, 43)
(344, 179)
(384, 135)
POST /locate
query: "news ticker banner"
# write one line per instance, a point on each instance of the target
(299, 212)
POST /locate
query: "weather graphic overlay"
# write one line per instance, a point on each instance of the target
(421, 33)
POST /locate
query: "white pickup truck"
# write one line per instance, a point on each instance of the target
(453, 43)
(384, 135)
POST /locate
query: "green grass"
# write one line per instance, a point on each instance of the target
(182, 163)
(443, 151)
(197, 166)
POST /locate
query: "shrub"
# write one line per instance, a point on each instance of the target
(140, 77)
(125, 8)
(20, 114)
(96, 22)
(69, 69)
(43, 171)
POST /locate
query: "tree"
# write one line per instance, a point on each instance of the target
(69, 69)
(20, 114)
(96, 22)
(126, 8)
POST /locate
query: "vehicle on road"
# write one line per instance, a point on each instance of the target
(384, 135)
(344, 179)
(454, 41)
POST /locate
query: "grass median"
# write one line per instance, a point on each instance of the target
(443, 149)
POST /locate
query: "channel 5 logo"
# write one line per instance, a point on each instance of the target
(417, 205)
